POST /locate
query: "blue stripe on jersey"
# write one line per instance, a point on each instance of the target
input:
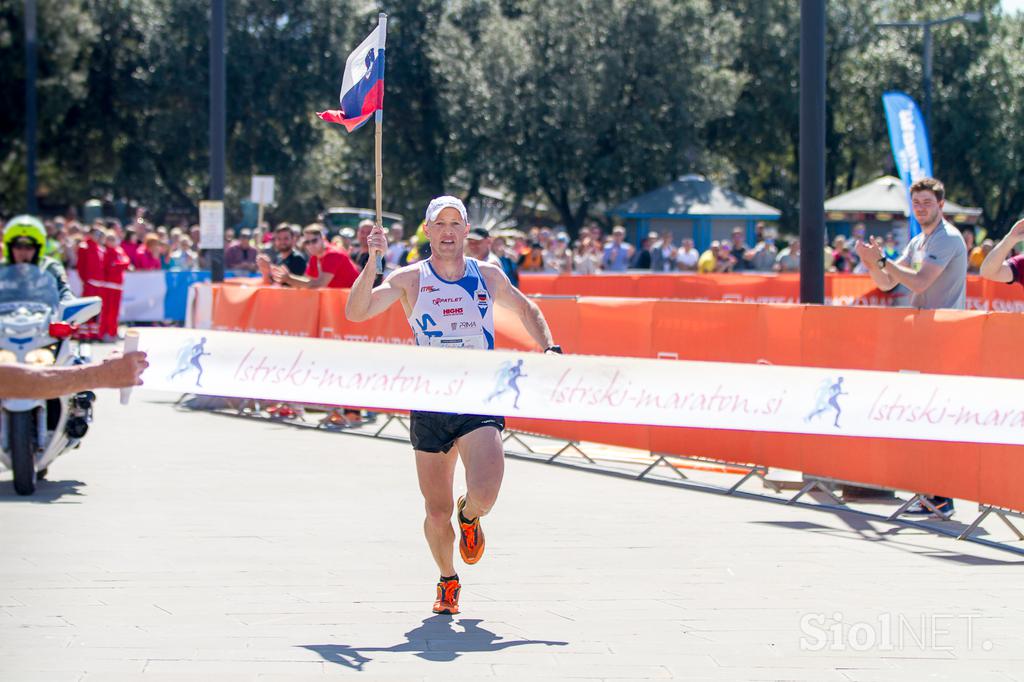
(470, 282)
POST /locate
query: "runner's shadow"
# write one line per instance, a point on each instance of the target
(435, 640)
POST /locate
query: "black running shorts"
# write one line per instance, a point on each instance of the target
(438, 431)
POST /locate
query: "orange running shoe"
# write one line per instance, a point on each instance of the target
(471, 544)
(447, 597)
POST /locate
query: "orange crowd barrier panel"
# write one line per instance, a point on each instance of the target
(609, 326)
(999, 297)
(840, 288)
(293, 312)
(889, 339)
(846, 289)
(232, 307)
(1002, 338)
(390, 327)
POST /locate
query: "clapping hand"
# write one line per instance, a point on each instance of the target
(263, 265)
(870, 252)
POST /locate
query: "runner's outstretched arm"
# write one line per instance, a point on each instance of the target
(365, 301)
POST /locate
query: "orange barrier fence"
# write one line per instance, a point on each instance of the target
(840, 289)
(888, 339)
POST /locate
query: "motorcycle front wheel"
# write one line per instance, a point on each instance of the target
(23, 451)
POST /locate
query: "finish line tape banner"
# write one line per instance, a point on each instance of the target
(582, 388)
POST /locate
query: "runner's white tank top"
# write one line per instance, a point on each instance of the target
(455, 314)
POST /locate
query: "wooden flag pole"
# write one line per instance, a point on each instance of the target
(378, 136)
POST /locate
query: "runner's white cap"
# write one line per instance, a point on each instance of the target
(438, 204)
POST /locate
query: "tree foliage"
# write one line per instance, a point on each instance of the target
(581, 102)
(64, 30)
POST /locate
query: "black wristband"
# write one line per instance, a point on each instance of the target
(553, 349)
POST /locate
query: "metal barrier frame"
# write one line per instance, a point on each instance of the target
(250, 409)
(1001, 512)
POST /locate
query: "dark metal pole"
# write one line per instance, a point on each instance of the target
(217, 123)
(31, 110)
(928, 79)
(812, 151)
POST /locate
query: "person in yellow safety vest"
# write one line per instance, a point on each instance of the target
(52, 248)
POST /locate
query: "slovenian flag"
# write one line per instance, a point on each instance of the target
(362, 85)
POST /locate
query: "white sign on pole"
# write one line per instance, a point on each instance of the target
(211, 224)
(263, 189)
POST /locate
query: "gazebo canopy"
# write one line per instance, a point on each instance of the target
(885, 199)
(694, 196)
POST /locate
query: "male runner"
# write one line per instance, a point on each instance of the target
(448, 299)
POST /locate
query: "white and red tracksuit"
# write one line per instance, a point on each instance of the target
(115, 262)
(90, 270)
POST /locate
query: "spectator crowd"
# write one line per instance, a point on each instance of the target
(313, 256)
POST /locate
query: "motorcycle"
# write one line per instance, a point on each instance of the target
(36, 329)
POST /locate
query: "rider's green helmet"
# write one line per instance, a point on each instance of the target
(23, 226)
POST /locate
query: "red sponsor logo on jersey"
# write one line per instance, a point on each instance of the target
(429, 289)
(448, 312)
(439, 301)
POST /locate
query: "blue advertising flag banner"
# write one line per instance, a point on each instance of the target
(909, 137)
(178, 282)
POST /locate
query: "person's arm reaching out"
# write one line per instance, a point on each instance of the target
(994, 266)
(41, 383)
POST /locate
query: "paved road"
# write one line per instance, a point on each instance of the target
(178, 545)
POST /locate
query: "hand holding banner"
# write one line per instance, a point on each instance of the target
(131, 344)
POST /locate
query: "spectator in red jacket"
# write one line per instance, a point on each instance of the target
(115, 262)
(150, 256)
(90, 270)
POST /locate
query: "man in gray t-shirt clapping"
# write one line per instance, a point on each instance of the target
(934, 264)
(933, 267)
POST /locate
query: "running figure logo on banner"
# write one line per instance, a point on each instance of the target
(506, 380)
(188, 358)
(828, 398)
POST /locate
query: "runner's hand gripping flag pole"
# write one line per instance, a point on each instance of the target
(362, 94)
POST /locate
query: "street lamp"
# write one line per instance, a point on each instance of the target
(218, 98)
(927, 25)
(31, 110)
